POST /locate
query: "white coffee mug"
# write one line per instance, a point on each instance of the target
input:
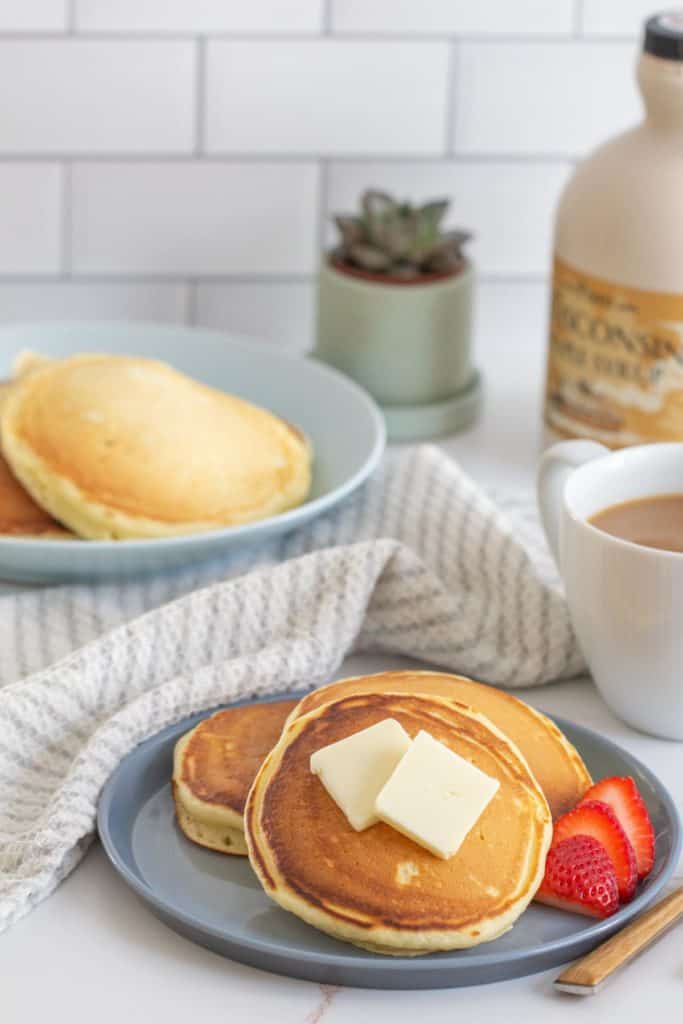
(625, 600)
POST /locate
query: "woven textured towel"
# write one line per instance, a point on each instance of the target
(423, 563)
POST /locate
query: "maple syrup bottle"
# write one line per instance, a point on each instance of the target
(615, 358)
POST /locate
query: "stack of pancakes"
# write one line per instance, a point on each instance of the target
(377, 888)
(116, 447)
(20, 515)
(214, 767)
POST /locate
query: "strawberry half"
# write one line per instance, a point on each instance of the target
(580, 876)
(593, 818)
(621, 794)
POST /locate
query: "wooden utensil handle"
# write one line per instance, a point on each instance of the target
(584, 977)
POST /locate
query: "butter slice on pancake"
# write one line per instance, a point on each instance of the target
(554, 761)
(124, 447)
(377, 888)
(215, 764)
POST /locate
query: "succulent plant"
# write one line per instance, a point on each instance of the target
(399, 240)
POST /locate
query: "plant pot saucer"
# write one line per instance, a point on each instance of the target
(434, 419)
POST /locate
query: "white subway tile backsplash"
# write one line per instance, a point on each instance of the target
(30, 218)
(70, 300)
(93, 96)
(560, 98)
(199, 142)
(278, 313)
(530, 17)
(33, 15)
(616, 17)
(508, 205)
(192, 218)
(199, 16)
(326, 97)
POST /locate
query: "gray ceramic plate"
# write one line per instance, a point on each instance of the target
(343, 423)
(215, 900)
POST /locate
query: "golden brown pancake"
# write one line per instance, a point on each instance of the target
(557, 764)
(124, 447)
(27, 361)
(214, 766)
(20, 516)
(377, 888)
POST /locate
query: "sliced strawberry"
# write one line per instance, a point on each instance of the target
(580, 876)
(621, 794)
(596, 819)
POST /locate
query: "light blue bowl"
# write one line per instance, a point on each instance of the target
(342, 422)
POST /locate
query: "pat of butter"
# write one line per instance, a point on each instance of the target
(353, 770)
(435, 796)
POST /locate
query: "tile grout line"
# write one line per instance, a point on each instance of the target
(191, 301)
(327, 28)
(70, 21)
(303, 157)
(483, 38)
(323, 212)
(578, 19)
(451, 96)
(66, 253)
(193, 277)
(200, 97)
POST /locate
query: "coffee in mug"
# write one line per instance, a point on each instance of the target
(653, 522)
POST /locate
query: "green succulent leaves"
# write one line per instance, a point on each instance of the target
(397, 239)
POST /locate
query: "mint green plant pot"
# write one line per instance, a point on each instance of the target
(408, 344)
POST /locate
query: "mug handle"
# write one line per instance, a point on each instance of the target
(556, 466)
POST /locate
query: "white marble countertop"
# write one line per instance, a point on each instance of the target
(92, 952)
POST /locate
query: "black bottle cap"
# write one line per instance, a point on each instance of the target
(664, 35)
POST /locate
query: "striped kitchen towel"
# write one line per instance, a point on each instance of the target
(419, 562)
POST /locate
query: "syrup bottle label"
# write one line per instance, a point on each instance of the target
(615, 361)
